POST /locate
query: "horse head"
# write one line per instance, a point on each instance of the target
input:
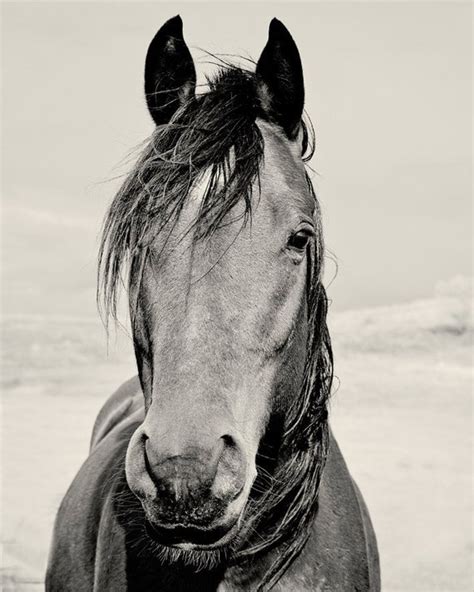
(221, 229)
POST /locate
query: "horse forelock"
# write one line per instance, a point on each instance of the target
(217, 132)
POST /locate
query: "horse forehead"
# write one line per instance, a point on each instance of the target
(282, 176)
(283, 193)
(283, 172)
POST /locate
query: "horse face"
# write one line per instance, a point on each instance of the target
(220, 324)
(220, 335)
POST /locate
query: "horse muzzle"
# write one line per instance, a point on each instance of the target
(192, 499)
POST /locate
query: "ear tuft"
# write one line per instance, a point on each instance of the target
(280, 84)
(170, 76)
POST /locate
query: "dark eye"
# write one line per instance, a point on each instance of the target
(299, 240)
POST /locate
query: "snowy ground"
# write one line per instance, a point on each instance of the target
(402, 415)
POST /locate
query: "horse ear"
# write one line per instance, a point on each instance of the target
(170, 76)
(280, 85)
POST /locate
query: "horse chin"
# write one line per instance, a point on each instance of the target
(198, 559)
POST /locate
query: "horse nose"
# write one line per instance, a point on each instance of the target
(197, 476)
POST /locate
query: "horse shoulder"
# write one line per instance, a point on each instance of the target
(118, 406)
(110, 564)
(341, 553)
(87, 539)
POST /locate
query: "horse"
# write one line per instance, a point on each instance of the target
(215, 468)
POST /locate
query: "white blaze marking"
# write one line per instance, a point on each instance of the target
(198, 190)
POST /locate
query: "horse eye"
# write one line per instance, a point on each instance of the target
(299, 240)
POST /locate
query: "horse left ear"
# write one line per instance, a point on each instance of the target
(170, 76)
(280, 85)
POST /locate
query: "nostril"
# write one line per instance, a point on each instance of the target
(151, 461)
(230, 474)
(228, 440)
(149, 464)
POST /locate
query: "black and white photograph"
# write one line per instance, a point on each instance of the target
(236, 296)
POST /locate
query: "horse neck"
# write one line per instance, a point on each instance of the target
(260, 571)
(251, 575)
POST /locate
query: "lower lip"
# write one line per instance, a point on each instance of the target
(212, 547)
(189, 546)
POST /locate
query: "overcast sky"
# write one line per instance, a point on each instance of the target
(388, 89)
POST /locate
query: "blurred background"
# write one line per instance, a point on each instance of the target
(389, 91)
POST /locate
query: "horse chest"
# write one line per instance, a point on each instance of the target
(296, 583)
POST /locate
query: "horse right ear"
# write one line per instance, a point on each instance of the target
(170, 76)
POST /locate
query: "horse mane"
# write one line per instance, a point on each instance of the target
(217, 131)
